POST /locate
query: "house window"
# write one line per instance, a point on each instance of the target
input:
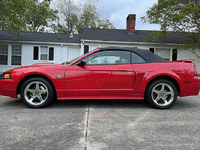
(3, 54)
(45, 53)
(163, 52)
(16, 55)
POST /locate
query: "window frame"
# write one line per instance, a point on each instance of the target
(130, 55)
(7, 63)
(138, 56)
(16, 55)
(40, 53)
(156, 50)
(44, 53)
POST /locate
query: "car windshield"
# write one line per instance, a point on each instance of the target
(69, 62)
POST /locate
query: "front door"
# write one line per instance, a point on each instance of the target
(106, 74)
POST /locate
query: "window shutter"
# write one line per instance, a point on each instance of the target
(152, 50)
(35, 53)
(86, 49)
(174, 55)
(51, 53)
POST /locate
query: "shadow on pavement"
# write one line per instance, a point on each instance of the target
(81, 103)
(137, 104)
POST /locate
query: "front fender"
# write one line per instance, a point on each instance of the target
(20, 76)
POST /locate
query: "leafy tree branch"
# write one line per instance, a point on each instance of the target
(180, 17)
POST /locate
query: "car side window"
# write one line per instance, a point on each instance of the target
(137, 59)
(108, 58)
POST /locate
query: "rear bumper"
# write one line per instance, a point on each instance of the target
(191, 87)
(8, 88)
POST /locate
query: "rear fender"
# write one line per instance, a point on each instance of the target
(148, 77)
(162, 72)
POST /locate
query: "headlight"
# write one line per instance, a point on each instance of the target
(5, 76)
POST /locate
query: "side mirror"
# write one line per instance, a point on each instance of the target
(81, 63)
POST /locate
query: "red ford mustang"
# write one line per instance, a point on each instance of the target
(105, 73)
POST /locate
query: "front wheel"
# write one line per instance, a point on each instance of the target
(161, 94)
(37, 92)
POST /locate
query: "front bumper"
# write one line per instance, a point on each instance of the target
(8, 88)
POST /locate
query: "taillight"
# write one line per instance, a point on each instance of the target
(195, 71)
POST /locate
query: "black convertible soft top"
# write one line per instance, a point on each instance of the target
(146, 54)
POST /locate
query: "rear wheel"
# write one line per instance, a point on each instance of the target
(37, 92)
(161, 94)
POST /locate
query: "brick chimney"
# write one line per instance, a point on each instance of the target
(130, 23)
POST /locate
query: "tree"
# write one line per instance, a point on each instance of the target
(181, 17)
(76, 18)
(38, 16)
(68, 17)
(12, 14)
(105, 24)
(89, 17)
(21, 15)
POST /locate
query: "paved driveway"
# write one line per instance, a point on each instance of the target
(100, 125)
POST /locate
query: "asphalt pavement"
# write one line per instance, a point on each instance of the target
(100, 125)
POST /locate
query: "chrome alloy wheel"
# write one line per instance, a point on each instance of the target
(36, 93)
(162, 94)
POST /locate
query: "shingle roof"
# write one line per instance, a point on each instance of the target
(123, 35)
(91, 34)
(39, 37)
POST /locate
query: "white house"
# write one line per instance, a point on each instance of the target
(30, 47)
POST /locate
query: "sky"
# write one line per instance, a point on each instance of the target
(118, 10)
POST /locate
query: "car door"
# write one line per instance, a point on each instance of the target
(105, 74)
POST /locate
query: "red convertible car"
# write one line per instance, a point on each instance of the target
(105, 73)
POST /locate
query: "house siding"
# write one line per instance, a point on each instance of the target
(182, 55)
(61, 54)
(95, 45)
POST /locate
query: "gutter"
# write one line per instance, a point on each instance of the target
(44, 43)
(121, 42)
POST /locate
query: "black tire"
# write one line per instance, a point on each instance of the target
(37, 92)
(161, 94)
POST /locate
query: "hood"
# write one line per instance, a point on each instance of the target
(44, 64)
(33, 65)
